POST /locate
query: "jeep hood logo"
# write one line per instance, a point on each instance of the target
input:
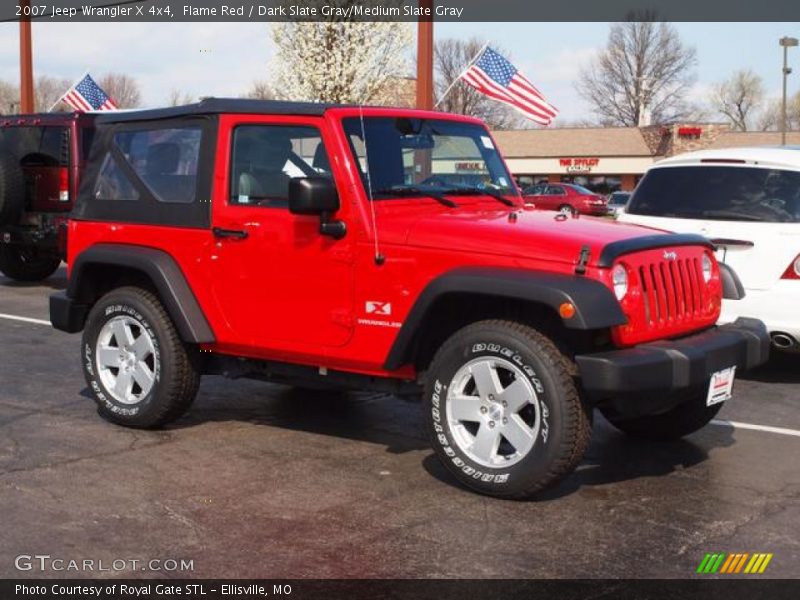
(670, 255)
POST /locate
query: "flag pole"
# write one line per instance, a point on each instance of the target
(469, 64)
(69, 89)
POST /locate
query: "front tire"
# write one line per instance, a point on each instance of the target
(502, 410)
(686, 418)
(27, 263)
(139, 371)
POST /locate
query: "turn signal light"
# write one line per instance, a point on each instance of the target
(566, 310)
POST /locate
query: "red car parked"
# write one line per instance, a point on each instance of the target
(567, 198)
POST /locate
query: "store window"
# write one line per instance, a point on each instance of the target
(528, 181)
(599, 184)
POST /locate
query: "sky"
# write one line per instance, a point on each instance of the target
(223, 59)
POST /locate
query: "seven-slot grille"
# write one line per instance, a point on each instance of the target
(672, 291)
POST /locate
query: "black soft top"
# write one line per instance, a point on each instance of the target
(212, 106)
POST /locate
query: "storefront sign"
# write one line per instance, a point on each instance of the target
(579, 165)
(690, 131)
(468, 166)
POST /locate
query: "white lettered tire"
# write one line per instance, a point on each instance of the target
(139, 371)
(503, 411)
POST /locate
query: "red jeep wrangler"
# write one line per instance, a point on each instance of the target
(41, 158)
(340, 246)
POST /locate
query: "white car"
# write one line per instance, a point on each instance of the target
(747, 202)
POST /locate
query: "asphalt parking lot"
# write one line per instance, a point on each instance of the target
(265, 481)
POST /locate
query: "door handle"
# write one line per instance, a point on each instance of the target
(238, 234)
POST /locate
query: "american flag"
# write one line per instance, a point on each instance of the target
(86, 95)
(493, 75)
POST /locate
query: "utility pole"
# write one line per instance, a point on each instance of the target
(425, 57)
(25, 60)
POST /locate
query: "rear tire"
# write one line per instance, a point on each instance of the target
(27, 263)
(139, 371)
(674, 424)
(502, 410)
(566, 209)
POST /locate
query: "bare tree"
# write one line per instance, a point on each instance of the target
(9, 98)
(451, 57)
(793, 112)
(769, 117)
(179, 98)
(124, 89)
(335, 61)
(47, 91)
(739, 97)
(642, 76)
(260, 90)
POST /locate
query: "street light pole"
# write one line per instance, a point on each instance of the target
(786, 43)
(25, 60)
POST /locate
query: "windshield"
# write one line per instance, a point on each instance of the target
(426, 155)
(719, 193)
(619, 198)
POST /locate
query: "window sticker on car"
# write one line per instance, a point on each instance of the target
(487, 142)
(244, 199)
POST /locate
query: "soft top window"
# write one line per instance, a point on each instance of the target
(150, 172)
(164, 159)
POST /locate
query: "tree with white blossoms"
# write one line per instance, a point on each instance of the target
(338, 61)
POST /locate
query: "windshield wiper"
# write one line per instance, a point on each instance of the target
(731, 215)
(410, 190)
(466, 189)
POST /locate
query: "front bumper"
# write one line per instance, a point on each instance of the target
(657, 372)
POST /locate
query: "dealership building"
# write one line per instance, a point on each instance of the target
(607, 159)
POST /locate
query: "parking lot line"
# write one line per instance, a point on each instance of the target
(767, 428)
(24, 319)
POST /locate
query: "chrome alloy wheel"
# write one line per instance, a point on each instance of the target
(126, 359)
(493, 412)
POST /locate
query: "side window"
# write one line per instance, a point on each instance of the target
(112, 183)
(556, 190)
(536, 190)
(165, 160)
(264, 158)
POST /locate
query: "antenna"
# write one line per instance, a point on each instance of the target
(379, 258)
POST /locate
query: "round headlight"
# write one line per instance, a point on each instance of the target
(619, 277)
(706, 264)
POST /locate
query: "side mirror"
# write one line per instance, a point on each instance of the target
(317, 196)
(312, 196)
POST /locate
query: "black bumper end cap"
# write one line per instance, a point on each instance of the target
(66, 314)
